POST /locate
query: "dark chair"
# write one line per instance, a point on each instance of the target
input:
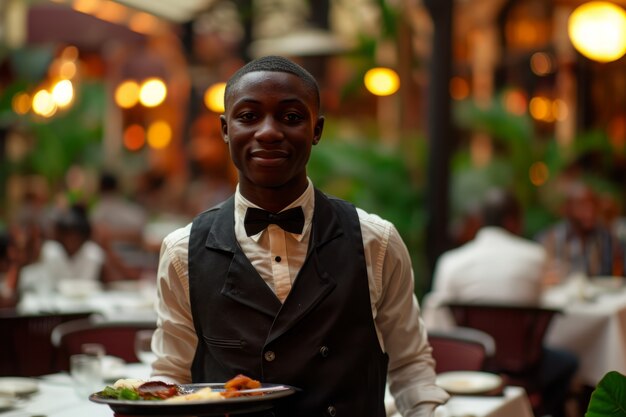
(518, 332)
(117, 338)
(25, 349)
(460, 349)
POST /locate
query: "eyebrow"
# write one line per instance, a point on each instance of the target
(284, 101)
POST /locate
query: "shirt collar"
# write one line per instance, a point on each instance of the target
(306, 201)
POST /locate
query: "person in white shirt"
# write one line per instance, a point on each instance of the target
(500, 267)
(69, 256)
(324, 301)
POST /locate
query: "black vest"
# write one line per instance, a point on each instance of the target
(322, 340)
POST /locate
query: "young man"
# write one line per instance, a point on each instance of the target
(324, 301)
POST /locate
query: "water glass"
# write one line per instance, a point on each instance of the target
(143, 348)
(86, 372)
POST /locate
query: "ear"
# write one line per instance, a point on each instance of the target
(317, 130)
(224, 128)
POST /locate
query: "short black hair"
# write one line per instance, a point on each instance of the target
(274, 63)
(74, 219)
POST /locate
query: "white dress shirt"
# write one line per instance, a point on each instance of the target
(55, 265)
(496, 266)
(399, 327)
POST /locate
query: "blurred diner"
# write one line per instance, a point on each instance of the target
(501, 267)
(68, 258)
(580, 243)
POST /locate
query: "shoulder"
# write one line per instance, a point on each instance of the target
(178, 236)
(375, 225)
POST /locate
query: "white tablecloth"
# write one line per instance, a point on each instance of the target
(57, 397)
(594, 329)
(116, 305)
(514, 403)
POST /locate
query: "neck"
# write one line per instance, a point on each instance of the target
(272, 199)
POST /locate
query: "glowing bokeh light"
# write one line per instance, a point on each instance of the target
(540, 108)
(63, 93)
(597, 30)
(127, 94)
(43, 104)
(134, 137)
(21, 103)
(538, 173)
(382, 81)
(214, 97)
(159, 134)
(152, 92)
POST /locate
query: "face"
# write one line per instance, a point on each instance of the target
(270, 123)
(582, 210)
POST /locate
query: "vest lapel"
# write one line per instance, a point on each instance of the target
(313, 282)
(242, 283)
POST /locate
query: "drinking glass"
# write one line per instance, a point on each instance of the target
(86, 372)
(143, 349)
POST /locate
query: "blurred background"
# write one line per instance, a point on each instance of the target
(428, 104)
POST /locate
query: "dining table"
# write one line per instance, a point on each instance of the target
(117, 301)
(592, 324)
(58, 396)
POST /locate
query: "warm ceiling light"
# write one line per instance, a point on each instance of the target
(214, 97)
(598, 30)
(43, 104)
(63, 93)
(134, 137)
(159, 134)
(382, 81)
(21, 103)
(152, 92)
(127, 94)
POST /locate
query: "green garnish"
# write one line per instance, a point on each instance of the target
(120, 393)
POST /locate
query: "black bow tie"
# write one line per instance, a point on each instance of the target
(257, 220)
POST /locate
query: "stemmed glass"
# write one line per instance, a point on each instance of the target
(143, 349)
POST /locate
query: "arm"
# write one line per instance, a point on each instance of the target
(175, 339)
(411, 366)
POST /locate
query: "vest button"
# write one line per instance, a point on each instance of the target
(324, 351)
(269, 356)
(331, 411)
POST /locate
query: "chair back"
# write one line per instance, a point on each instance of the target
(460, 349)
(518, 332)
(25, 349)
(117, 338)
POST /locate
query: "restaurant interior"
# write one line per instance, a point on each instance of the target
(428, 105)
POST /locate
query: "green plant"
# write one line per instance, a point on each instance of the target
(379, 180)
(609, 397)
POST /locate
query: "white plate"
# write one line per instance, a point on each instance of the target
(6, 403)
(14, 386)
(468, 382)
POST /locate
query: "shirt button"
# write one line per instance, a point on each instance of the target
(269, 356)
(331, 411)
(324, 351)
(278, 259)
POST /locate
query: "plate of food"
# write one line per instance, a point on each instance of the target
(469, 382)
(241, 394)
(18, 386)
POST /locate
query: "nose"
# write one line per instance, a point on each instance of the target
(269, 130)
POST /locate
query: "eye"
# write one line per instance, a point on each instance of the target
(293, 117)
(246, 116)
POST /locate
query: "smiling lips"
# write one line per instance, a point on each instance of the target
(269, 157)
